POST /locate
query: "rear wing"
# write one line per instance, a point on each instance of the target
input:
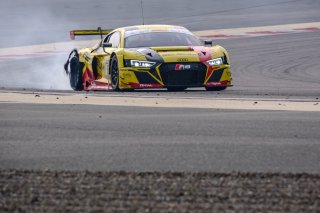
(99, 31)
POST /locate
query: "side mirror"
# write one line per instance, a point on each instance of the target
(208, 43)
(106, 45)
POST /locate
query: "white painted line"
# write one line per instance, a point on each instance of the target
(161, 102)
(112, 94)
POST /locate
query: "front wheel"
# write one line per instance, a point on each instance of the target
(114, 72)
(75, 75)
(219, 88)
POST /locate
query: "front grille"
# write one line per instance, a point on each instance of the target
(191, 74)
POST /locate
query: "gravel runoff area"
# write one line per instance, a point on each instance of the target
(76, 191)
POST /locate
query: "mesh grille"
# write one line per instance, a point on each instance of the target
(190, 74)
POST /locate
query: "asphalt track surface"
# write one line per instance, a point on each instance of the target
(153, 139)
(277, 67)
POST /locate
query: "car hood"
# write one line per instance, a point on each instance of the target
(177, 54)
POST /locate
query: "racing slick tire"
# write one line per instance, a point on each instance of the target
(176, 89)
(114, 72)
(220, 88)
(75, 75)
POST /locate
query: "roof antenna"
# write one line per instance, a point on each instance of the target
(142, 12)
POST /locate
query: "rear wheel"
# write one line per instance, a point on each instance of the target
(220, 88)
(95, 68)
(75, 75)
(114, 72)
(176, 89)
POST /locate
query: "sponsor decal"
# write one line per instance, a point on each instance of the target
(213, 84)
(86, 57)
(221, 83)
(136, 85)
(182, 67)
(146, 85)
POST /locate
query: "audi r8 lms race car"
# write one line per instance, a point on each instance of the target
(148, 56)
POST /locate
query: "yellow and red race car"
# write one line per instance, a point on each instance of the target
(148, 56)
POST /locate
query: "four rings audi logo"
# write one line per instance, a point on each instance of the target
(182, 59)
(183, 67)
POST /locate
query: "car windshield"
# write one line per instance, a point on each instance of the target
(156, 39)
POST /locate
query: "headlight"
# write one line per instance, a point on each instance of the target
(215, 62)
(144, 64)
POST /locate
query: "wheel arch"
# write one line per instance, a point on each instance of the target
(73, 53)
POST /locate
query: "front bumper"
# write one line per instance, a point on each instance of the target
(164, 75)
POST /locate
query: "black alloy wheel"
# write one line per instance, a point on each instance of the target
(114, 72)
(75, 75)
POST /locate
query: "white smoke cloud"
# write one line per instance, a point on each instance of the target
(24, 23)
(36, 73)
(29, 66)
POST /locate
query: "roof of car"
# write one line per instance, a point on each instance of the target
(152, 27)
(139, 29)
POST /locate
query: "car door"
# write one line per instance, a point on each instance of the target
(104, 53)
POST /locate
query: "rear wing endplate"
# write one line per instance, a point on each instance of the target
(99, 31)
